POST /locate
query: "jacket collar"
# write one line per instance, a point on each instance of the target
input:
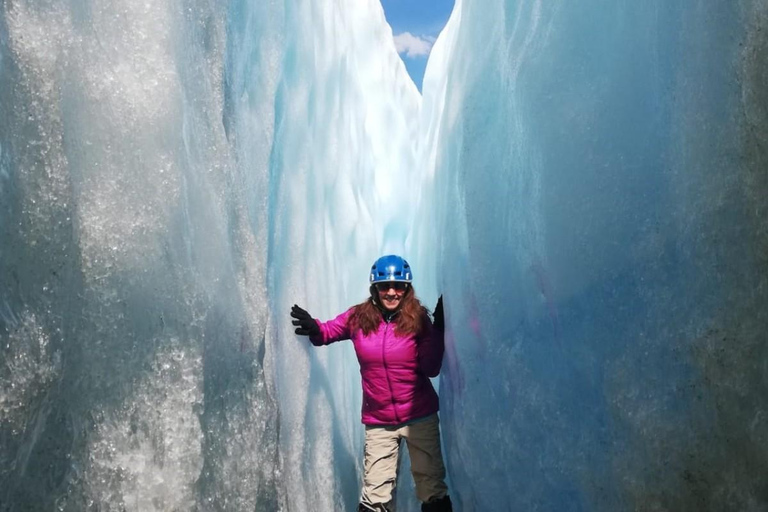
(389, 315)
(386, 314)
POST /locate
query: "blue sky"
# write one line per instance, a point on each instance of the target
(415, 25)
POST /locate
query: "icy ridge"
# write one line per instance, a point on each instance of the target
(341, 185)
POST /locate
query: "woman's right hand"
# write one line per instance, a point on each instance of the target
(306, 325)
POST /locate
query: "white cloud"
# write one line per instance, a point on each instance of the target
(413, 46)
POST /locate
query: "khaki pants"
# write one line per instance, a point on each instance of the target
(382, 446)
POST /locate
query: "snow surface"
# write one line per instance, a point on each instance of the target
(584, 183)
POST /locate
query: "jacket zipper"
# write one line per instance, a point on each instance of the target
(386, 372)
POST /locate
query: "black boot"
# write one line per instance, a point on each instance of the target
(369, 508)
(440, 505)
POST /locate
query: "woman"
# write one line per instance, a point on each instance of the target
(398, 349)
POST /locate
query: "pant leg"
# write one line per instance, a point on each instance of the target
(382, 445)
(423, 439)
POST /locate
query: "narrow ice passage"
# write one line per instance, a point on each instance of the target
(584, 183)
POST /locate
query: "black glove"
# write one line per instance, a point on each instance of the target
(438, 318)
(306, 324)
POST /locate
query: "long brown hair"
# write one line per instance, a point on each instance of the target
(410, 316)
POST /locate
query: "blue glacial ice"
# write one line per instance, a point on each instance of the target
(584, 182)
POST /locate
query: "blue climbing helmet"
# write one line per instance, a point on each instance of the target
(391, 268)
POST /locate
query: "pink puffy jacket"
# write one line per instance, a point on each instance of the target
(395, 369)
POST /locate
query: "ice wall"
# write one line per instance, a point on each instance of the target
(173, 176)
(598, 203)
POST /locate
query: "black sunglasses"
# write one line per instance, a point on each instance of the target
(397, 285)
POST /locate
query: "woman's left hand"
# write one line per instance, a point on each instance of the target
(438, 316)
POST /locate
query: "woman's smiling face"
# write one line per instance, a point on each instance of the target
(391, 294)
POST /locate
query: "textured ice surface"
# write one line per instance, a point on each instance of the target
(585, 183)
(133, 285)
